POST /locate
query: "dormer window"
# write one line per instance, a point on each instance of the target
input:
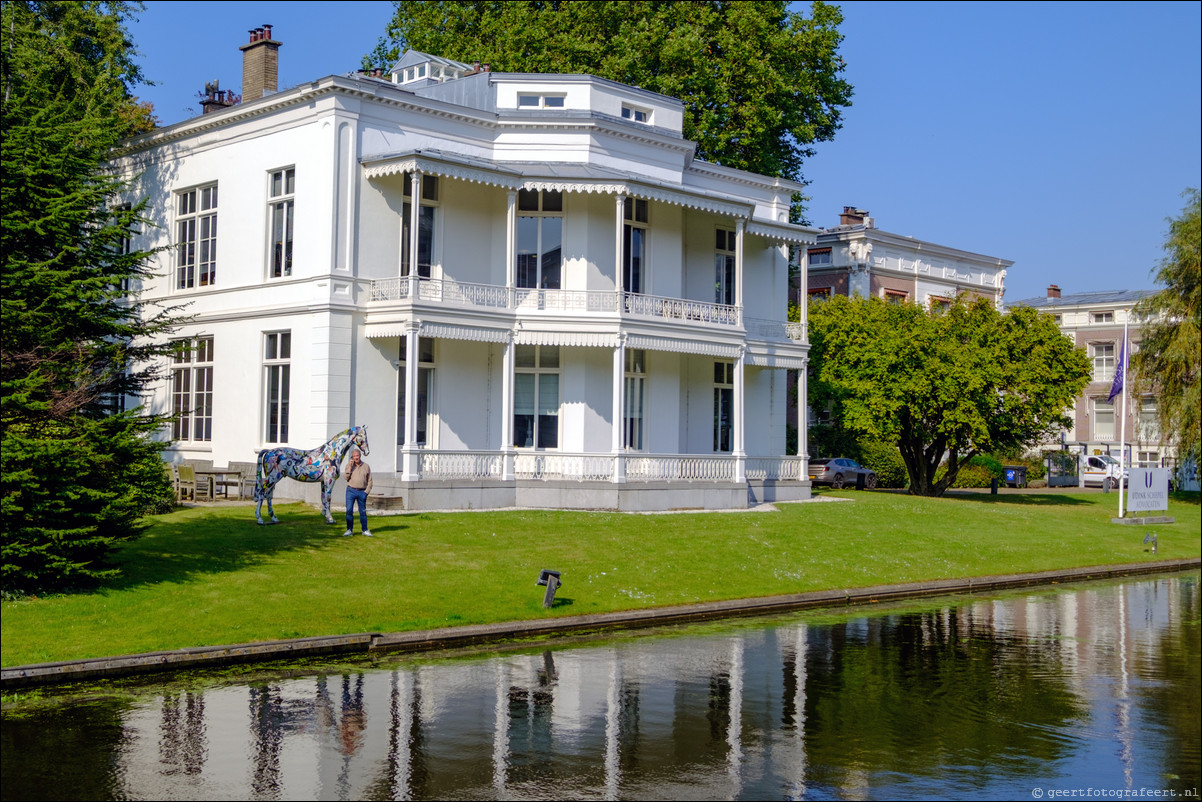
(638, 115)
(532, 101)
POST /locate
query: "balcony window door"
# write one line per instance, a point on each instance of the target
(425, 225)
(536, 396)
(634, 246)
(540, 239)
(724, 267)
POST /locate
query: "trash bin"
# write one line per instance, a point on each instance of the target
(1016, 475)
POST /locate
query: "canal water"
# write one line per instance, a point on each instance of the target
(1091, 688)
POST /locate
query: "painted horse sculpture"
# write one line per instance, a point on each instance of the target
(319, 465)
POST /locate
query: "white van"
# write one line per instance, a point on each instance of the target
(1103, 470)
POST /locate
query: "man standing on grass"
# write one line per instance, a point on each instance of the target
(358, 485)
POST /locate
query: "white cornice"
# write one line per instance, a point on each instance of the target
(875, 235)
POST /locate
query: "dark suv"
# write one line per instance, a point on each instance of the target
(839, 472)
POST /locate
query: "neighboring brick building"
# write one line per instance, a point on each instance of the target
(857, 258)
(1094, 321)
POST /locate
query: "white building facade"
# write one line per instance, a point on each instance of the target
(575, 312)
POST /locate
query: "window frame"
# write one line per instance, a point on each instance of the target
(277, 385)
(636, 216)
(1100, 405)
(426, 364)
(1103, 364)
(634, 417)
(192, 379)
(280, 244)
(539, 214)
(429, 200)
(725, 274)
(538, 437)
(724, 401)
(636, 114)
(827, 252)
(192, 268)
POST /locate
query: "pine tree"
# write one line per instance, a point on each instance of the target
(77, 471)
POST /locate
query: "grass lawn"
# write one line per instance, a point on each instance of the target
(206, 576)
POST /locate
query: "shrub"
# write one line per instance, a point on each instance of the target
(885, 460)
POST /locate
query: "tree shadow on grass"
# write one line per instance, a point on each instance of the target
(186, 544)
(1024, 499)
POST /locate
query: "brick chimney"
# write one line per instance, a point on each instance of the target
(852, 216)
(1053, 291)
(260, 64)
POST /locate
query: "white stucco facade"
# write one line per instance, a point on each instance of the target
(581, 338)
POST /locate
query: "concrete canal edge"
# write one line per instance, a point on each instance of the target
(451, 637)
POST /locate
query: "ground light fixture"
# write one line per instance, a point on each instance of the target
(552, 581)
(1151, 538)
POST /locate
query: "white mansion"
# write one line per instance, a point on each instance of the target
(524, 285)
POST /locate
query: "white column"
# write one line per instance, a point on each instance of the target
(415, 202)
(511, 238)
(507, 362)
(740, 452)
(740, 225)
(620, 223)
(619, 409)
(409, 451)
(803, 269)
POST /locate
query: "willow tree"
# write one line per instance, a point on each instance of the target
(77, 469)
(1168, 364)
(943, 385)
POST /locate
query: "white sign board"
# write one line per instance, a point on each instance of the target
(1148, 489)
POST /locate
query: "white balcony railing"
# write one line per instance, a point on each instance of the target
(476, 465)
(491, 296)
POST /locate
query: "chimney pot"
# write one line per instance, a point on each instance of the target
(266, 31)
(486, 67)
(1053, 291)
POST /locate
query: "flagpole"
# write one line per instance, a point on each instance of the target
(1123, 424)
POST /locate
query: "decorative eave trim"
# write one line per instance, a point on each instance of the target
(678, 346)
(443, 169)
(578, 339)
(783, 232)
(744, 176)
(480, 334)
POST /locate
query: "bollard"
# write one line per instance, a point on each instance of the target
(993, 486)
(859, 481)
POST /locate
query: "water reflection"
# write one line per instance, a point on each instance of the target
(1094, 687)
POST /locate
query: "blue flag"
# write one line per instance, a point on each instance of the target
(1117, 386)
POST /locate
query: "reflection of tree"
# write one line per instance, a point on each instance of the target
(1174, 695)
(182, 733)
(266, 724)
(916, 692)
(68, 752)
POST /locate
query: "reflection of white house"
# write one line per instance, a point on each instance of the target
(575, 312)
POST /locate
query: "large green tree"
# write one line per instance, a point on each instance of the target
(77, 470)
(943, 386)
(760, 84)
(1169, 361)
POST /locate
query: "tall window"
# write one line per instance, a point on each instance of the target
(1103, 420)
(1103, 361)
(282, 190)
(536, 396)
(636, 388)
(425, 388)
(276, 356)
(196, 237)
(724, 405)
(425, 225)
(540, 239)
(125, 246)
(192, 390)
(1149, 425)
(634, 246)
(724, 267)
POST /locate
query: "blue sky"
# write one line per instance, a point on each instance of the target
(1057, 135)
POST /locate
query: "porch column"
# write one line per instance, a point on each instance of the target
(507, 473)
(410, 458)
(620, 224)
(803, 417)
(511, 239)
(740, 227)
(803, 292)
(619, 409)
(740, 451)
(415, 203)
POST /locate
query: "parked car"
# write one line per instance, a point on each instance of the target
(839, 472)
(1103, 470)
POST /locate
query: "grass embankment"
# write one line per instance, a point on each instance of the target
(207, 576)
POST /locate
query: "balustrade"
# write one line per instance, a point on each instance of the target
(600, 467)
